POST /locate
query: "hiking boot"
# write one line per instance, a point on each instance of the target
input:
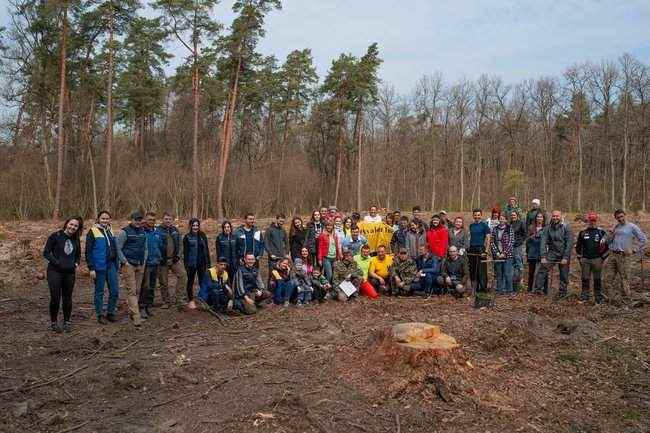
(54, 327)
(111, 317)
(67, 327)
(102, 320)
(191, 305)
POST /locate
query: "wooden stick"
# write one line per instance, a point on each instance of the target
(398, 427)
(76, 427)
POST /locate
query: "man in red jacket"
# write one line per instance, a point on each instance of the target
(437, 237)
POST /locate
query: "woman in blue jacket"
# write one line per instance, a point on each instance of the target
(101, 257)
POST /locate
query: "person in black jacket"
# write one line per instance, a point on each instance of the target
(63, 253)
(196, 256)
(297, 237)
(591, 248)
(226, 247)
(171, 262)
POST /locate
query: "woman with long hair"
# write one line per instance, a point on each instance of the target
(534, 250)
(347, 226)
(306, 260)
(297, 237)
(196, 256)
(102, 261)
(329, 249)
(226, 246)
(63, 253)
(314, 229)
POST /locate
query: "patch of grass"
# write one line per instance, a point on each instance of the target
(632, 415)
(570, 357)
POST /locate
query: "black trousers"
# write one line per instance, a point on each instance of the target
(477, 268)
(61, 287)
(148, 286)
(192, 273)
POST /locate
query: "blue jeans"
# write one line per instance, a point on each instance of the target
(328, 266)
(283, 291)
(304, 297)
(503, 272)
(109, 275)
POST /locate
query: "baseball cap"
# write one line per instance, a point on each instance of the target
(536, 201)
(222, 259)
(137, 215)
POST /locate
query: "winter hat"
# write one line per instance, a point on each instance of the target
(536, 201)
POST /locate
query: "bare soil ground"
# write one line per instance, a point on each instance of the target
(530, 364)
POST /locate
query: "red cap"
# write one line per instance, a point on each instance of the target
(591, 216)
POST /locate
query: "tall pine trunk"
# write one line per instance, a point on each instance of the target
(60, 132)
(195, 134)
(339, 155)
(109, 116)
(226, 136)
(358, 131)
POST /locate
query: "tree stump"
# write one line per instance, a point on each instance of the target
(417, 342)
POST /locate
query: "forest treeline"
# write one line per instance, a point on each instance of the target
(91, 121)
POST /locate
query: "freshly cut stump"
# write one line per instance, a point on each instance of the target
(419, 342)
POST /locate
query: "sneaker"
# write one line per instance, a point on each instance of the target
(191, 305)
(143, 314)
(54, 327)
(102, 320)
(300, 305)
(111, 317)
(286, 304)
(67, 326)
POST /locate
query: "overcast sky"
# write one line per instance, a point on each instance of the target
(515, 39)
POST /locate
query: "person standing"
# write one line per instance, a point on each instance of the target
(276, 242)
(297, 237)
(132, 253)
(534, 251)
(101, 258)
(479, 239)
(417, 217)
(591, 247)
(63, 252)
(399, 234)
(329, 249)
(493, 221)
(437, 237)
(621, 245)
(502, 244)
(226, 247)
(196, 256)
(249, 240)
(373, 216)
(519, 231)
(416, 237)
(513, 206)
(535, 210)
(171, 262)
(458, 236)
(314, 229)
(556, 245)
(154, 258)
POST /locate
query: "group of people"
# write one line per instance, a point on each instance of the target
(330, 257)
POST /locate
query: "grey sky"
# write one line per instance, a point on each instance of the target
(515, 39)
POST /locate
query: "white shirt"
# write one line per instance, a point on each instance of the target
(370, 219)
